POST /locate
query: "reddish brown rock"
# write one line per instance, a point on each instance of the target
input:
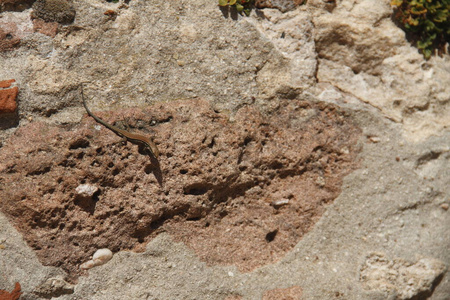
(6, 83)
(110, 13)
(14, 295)
(48, 28)
(214, 187)
(8, 97)
(8, 38)
(292, 293)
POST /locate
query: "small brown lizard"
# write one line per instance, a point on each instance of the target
(131, 137)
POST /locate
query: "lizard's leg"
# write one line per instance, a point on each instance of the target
(126, 124)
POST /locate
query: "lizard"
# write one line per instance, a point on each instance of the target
(131, 137)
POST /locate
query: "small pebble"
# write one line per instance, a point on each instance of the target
(100, 257)
(279, 203)
(374, 139)
(86, 190)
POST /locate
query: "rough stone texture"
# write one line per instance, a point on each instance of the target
(19, 263)
(227, 212)
(282, 5)
(53, 287)
(8, 40)
(47, 28)
(15, 5)
(290, 166)
(233, 297)
(60, 11)
(155, 52)
(399, 278)
(292, 293)
(13, 28)
(363, 53)
(289, 33)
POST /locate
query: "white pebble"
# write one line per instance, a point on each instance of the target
(86, 190)
(100, 257)
(279, 203)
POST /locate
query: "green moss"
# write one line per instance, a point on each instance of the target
(427, 23)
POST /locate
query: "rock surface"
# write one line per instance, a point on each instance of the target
(215, 188)
(308, 157)
(362, 53)
(59, 11)
(405, 279)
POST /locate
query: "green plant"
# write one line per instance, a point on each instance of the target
(426, 21)
(244, 6)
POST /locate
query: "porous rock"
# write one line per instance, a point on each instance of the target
(212, 189)
(165, 50)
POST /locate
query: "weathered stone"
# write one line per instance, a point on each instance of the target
(54, 287)
(7, 40)
(15, 5)
(401, 278)
(54, 11)
(233, 297)
(292, 293)
(282, 5)
(47, 28)
(295, 68)
(150, 52)
(13, 28)
(363, 53)
(212, 188)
